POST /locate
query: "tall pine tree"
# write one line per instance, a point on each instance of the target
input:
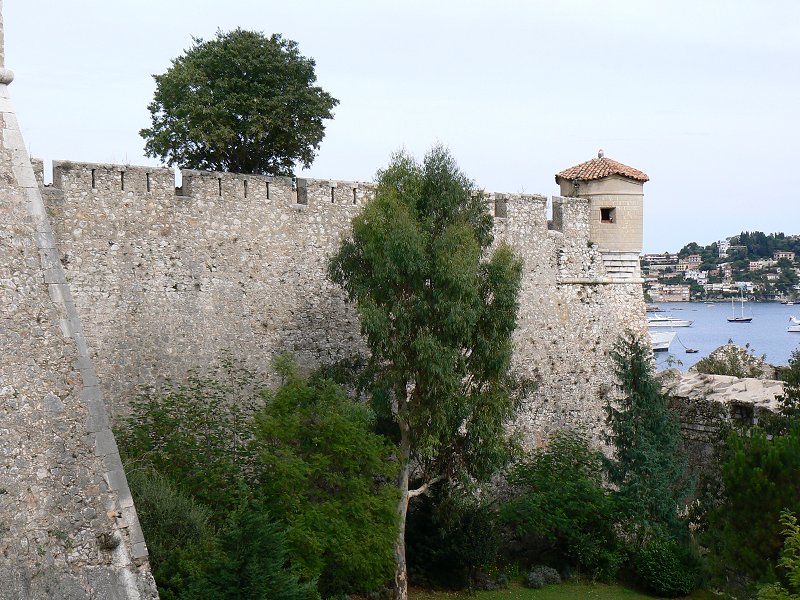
(648, 467)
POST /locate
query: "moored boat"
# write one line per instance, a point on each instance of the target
(666, 321)
(795, 325)
(741, 318)
(661, 340)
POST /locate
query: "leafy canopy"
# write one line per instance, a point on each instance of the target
(324, 473)
(215, 459)
(437, 310)
(242, 102)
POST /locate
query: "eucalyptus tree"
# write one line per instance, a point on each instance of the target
(438, 307)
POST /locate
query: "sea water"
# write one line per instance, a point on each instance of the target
(766, 334)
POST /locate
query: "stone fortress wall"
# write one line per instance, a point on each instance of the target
(68, 527)
(166, 278)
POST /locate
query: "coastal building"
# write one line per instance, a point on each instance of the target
(699, 276)
(670, 293)
(758, 265)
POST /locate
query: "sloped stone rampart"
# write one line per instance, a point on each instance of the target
(68, 527)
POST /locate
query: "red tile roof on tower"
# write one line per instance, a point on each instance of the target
(600, 167)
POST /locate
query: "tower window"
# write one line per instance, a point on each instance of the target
(608, 215)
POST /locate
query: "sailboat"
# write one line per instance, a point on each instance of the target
(741, 318)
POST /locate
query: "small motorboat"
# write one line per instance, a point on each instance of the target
(795, 325)
(661, 340)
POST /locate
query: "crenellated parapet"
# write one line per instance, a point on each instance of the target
(125, 180)
(517, 215)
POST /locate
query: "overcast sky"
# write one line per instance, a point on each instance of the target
(701, 95)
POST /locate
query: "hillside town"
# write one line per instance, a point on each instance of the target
(754, 265)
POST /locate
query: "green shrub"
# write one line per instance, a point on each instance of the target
(664, 568)
(330, 479)
(788, 402)
(535, 580)
(194, 433)
(775, 591)
(249, 563)
(171, 518)
(790, 562)
(761, 476)
(549, 574)
(734, 361)
(449, 539)
(177, 528)
(648, 468)
(560, 512)
(306, 451)
(246, 559)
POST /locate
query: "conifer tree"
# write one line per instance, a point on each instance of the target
(648, 466)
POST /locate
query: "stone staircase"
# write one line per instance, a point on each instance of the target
(621, 265)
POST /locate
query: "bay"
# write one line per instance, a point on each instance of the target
(766, 334)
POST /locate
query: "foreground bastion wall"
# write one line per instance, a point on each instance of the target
(68, 527)
(166, 278)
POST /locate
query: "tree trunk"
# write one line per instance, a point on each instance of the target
(401, 570)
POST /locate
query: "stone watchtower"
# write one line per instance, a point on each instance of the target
(616, 198)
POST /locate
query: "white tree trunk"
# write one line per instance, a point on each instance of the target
(401, 569)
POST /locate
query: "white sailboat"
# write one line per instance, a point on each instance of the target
(740, 318)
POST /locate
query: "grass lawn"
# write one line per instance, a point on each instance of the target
(564, 591)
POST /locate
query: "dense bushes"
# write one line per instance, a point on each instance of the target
(754, 479)
(560, 512)
(207, 457)
(323, 473)
(192, 560)
(761, 476)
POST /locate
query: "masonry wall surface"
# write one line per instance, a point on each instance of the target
(705, 404)
(68, 527)
(164, 281)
